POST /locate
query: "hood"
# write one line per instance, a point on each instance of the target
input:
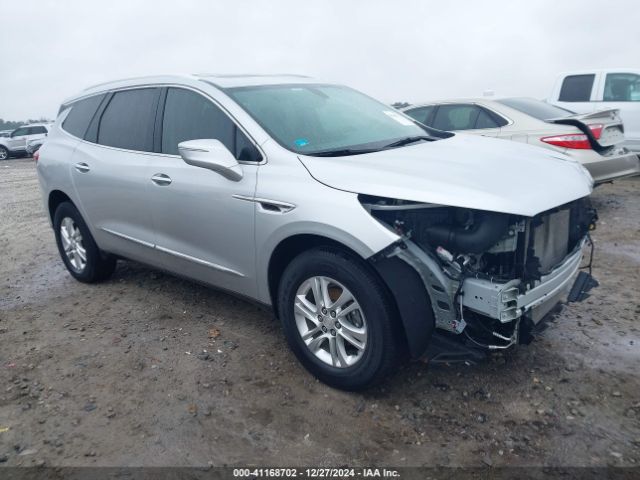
(461, 171)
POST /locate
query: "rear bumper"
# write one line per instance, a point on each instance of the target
(618, 163)
(632, 144)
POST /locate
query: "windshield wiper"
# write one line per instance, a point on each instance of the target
(343, 152)
(408, 140)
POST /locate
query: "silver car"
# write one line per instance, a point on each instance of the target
(595, 139)
(372, 237)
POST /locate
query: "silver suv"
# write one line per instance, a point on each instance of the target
(16, 142)
(373, 238)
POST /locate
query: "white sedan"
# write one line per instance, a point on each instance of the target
(594, 139)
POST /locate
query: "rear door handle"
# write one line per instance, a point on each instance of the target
(82, 167)
(161, 179)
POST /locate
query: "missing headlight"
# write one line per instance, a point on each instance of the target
(482, 241)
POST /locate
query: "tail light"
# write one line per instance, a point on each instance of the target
(576, 141)
(596, 130)
(36, 155)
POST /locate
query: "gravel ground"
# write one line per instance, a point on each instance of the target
(117, 373)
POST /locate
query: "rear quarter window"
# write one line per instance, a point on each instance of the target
(80, 116)
(489, 119)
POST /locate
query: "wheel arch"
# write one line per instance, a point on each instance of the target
(56, 197)
(407, 293)
(288, 249)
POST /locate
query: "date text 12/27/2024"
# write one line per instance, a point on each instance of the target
(315, 473)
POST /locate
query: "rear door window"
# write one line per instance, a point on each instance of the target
(80, 116)
(128, 120)
(622, 87)
(190, 116)
(422, 114)
(456, 117)
(577, 88)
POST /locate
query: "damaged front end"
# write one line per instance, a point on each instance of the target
(489, 278)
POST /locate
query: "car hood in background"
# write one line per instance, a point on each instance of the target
(462, 171)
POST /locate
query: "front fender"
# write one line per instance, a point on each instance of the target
(363, 245)
(317, 210)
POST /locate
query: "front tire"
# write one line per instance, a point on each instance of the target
(4, 153)
(338, 319)
(78, 249)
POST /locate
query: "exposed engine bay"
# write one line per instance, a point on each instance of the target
(490, 276)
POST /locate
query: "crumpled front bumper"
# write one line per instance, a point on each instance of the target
(506, 303)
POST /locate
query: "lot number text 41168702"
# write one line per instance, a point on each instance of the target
(315, 473)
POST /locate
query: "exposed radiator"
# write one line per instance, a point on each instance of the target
(551, 240)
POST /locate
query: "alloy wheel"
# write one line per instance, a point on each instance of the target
(330, 321)
(72, 244)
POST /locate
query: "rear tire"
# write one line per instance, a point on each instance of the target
(348, 344)
(78, 250)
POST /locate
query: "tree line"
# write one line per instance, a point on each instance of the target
(12, 125)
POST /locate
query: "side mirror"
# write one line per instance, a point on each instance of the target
(212, 155)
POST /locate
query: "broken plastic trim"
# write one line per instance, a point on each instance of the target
(439, 287)
(583, 283)
(447, 348)
(508, 341)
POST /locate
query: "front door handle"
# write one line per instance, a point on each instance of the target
(161, 179)
(82, 167)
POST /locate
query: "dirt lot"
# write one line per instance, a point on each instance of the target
(117, 373)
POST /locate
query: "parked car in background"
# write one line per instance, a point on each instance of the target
(16, 142)
(595, 139)
(587, 91)
(365, 231)
(5, 133)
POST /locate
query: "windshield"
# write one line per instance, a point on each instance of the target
(327, 119)
(536, 108)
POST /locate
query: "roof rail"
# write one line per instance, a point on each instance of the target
(244, 75)
(129, 79)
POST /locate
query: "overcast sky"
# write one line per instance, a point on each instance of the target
(393, 50)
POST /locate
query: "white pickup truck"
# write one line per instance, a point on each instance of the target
(591, 90)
